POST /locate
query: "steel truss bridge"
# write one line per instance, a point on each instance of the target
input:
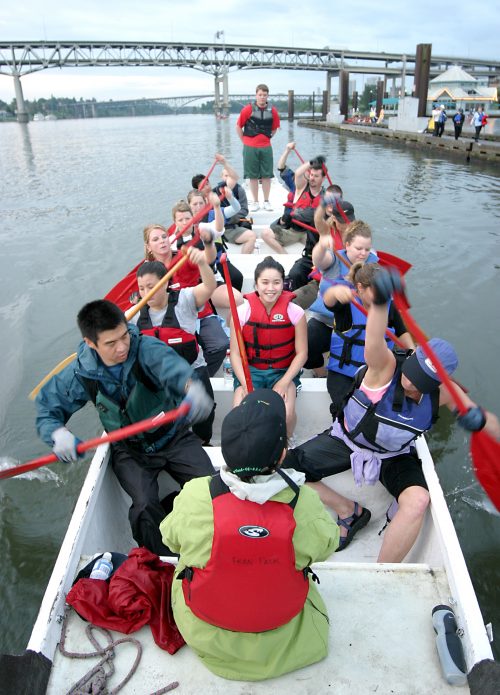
(24, 57)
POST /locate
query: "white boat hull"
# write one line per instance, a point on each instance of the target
(381, 637)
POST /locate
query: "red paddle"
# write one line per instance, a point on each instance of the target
(203, 182)
(485, 450)
(236, 324)
(388, 260)
(114, 436)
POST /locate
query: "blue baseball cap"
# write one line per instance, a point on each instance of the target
(418, 368)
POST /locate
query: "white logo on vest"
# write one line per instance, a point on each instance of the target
(253, 531)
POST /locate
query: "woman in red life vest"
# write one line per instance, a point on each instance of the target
(275, 335)
(157, 247)
(171, 317)
(243, 598)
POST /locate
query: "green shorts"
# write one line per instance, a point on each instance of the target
(257, 162)
(287, 236)
(266, 378)
(232, 235)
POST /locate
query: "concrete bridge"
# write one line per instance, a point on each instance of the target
(24, 57)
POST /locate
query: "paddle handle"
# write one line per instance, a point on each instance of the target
(236, 324)
(203, 182)
(402, 306)
(114, 436)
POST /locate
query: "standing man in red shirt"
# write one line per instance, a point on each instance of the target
(256, 125)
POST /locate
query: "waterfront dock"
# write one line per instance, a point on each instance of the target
(465, 147)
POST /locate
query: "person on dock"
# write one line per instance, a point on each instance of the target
(439, 125)
(395, 399)
(129, 377)
(309, 178)
(436, 115)
(275, 336)
(256, 125)
(171, 316)
(478, 121)
(243, 598)
(458, 122)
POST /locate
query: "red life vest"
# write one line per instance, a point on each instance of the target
(306, 200)
(170, 331)
(269, 338)
(250, 583)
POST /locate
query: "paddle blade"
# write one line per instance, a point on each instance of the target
(121, 292)
(485, 452)
(388, 260)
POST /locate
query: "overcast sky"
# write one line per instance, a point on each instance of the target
(453, 27)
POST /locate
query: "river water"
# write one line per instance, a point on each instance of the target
(75, 196)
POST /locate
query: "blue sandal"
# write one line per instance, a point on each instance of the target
(353, 524)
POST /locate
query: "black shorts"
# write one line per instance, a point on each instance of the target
(325, 455)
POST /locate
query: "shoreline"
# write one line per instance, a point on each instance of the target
(465, 147)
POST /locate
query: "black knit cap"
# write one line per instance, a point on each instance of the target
(254, 433)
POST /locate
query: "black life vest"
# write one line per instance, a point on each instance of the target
(259, 123)
(170, 331)
(250, 583)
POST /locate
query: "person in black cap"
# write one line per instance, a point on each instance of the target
(244, 601)
(395, 399)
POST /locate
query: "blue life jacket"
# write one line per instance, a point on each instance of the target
(347, 348)
(318, 306)
(394, 422)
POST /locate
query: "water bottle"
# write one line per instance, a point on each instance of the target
(102, 568)
(227, 370)
(449, 646)
(258, 243)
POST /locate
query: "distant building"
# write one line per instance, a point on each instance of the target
(456, 89)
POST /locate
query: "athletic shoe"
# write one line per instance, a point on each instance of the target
(253, 207)
(267, 205)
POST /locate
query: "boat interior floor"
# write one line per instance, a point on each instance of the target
(376, 612)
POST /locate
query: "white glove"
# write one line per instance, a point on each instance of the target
(64, 445)
(199, 401)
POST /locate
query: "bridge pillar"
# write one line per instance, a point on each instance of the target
(325, 107)
(216, 96)
(329, 76)
(380, 96)
(422, 69)
(344, 92)
(225, 94)
(291, 105)
(221, 106)
(22, 114)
